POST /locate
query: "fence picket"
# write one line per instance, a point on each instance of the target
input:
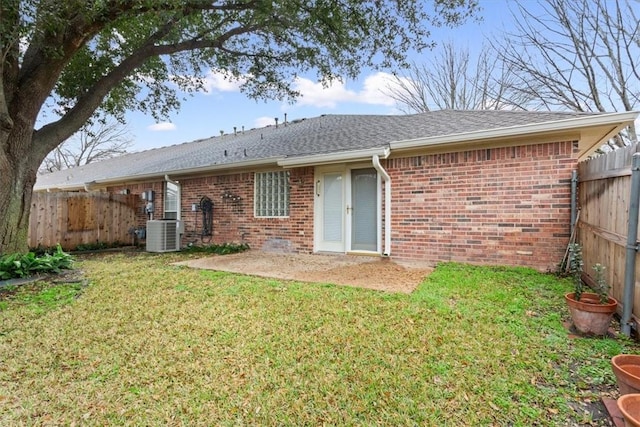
(603, 198)
(72, 219)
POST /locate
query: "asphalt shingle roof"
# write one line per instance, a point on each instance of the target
(319, 135)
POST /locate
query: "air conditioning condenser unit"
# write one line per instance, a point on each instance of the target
(163, 235)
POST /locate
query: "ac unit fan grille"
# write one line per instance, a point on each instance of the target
(163, 236)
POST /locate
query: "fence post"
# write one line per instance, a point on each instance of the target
(632, 247)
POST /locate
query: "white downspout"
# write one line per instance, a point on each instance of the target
(387, 204)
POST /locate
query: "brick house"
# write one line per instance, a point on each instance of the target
(487, 187)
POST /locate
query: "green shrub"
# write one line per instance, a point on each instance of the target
(22, 265)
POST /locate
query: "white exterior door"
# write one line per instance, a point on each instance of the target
(364, 210)
(330, 208)
(346, 210)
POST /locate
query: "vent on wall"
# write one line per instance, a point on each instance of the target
(163, 236)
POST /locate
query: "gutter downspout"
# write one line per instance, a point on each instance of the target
(574, 201)
(387, 203)
(87, 186)
(632, 248)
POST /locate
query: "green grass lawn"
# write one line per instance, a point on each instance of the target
(147, 343)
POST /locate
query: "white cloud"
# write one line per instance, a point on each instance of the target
(162, 127)
(219, 81)
(263, 121)
(374, 88)
(214, 82)
(316, 95)
(372, 92)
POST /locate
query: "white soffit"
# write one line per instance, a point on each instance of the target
(339, 157)
(271, 161)
(596, 129)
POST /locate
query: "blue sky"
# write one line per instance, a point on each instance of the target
(223, 106)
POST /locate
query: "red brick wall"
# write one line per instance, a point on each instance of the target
(234, 221)
(507, 206)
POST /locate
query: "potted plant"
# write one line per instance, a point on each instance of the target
(626, 368)
(629, 405)
(591, 312)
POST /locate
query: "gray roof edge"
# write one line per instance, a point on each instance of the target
(581, 120)
(180, 172)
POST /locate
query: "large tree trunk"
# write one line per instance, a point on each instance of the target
(18, 175)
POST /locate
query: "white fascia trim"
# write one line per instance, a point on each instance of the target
(161, 175)
(341, 157)
(190, 171)
(520, 130)
(68, 187)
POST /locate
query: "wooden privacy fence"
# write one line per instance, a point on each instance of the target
(72, 219)
(604, 191)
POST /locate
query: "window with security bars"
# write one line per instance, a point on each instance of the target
(272, 194)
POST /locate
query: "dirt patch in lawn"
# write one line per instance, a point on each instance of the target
(362, 271)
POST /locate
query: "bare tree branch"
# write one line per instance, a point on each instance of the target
(452, 79)
(579, 55)
(91, 144)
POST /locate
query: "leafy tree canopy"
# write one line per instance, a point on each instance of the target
(108, 51)
(81, 57)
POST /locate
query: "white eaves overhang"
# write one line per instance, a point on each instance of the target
(339, 157)
(272, 161)
(592, 131)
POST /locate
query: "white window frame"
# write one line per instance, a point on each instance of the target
(168, 209)
(271, 194)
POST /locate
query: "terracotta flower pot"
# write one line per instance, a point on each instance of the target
(626, 368)
(629, 405)
(588, 315)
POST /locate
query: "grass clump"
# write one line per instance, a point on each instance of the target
(150, 343)
(39, 297)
